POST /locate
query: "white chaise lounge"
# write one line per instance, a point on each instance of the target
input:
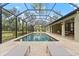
(55, 49)
(20, 50)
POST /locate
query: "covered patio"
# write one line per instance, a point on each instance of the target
(66, 26)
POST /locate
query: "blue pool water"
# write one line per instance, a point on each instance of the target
(38, 37)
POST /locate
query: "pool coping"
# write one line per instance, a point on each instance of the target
(20, 38)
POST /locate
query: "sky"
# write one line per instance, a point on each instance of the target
(63, 8)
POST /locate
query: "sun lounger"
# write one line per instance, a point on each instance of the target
(55, 49)
(20, 50)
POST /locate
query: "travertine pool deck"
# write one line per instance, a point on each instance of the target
(39, 48)
(68, 43)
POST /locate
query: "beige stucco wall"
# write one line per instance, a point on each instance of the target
(63, 29)
(76, 28)
(76, 25)
(67, 18)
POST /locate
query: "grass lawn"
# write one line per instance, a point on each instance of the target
(7, 35)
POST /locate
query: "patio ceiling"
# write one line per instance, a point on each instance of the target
(38, 13)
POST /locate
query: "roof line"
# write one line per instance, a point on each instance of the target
(69, 14)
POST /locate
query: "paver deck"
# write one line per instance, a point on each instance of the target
(71, 45)
(39, 48)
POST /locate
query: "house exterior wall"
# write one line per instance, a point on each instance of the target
(63, 29)
(76, 25)
(76, 28)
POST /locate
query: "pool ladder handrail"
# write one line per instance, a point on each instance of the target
(48, 51)
(27, 51)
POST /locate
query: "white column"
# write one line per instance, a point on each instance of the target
(76, 27)
(50, 29)
(46, 29)
(63, 29)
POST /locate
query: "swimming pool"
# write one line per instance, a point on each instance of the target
(38, 37)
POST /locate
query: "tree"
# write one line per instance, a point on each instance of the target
(9, 20)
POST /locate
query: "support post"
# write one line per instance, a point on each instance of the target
(26, 27)
(76, 27)
(16, 28)
(22, 27)
(0, 24)
(51, 28)
(63, 29)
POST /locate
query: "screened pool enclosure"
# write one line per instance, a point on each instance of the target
(17, 19)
